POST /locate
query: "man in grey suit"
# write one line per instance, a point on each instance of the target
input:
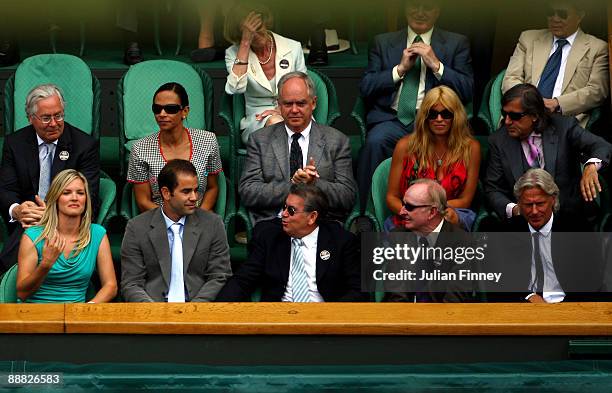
(297, 150)
(177, 252)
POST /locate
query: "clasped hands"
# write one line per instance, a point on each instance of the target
(29, 213)
(410, 55)
(306, 175)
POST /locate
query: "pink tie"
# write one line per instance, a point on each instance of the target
(534, 153)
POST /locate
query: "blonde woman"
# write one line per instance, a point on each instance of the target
(58, 257)
(441, 148)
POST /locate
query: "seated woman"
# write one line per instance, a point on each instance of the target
(256, 62)
(172, 141)
(58, 257)
(440, 148)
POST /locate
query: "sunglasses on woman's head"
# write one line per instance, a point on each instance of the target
(446, 114)
(170, 109)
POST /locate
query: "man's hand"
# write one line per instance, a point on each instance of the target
(406, 63)
(428, 56)
(536, 299)
(589, 184)
(307, 175)
(451, 216)
(552, 104)
(516, 211)
(29, 213)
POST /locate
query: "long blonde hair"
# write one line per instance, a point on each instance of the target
(421, 144)
(50, 218)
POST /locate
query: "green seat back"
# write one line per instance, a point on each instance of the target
(8, 286)
(495, 100)
(71, 75)
(108, 193)
(327, 110)
(379, 191)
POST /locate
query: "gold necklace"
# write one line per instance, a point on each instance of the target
(269, 55)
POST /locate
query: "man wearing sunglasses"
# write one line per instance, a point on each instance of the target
(402, 67)
(33, 155)
(300, 257)
(532, 137)
(569, 66)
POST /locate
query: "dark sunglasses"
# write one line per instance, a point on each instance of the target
(410, 207)
(170, 109)
(550, 12)
(446, 114)
(292, 211)
(514, 116)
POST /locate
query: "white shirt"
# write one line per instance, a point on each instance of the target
(309, 252)
(169, 232)
(426, 37)
(552, 291)
(564, 54)
(302, 141)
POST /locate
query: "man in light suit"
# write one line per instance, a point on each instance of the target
(297, 150)
(400, 71)
(533, 138)
(580, 81)
(177, 252)
(48, 142)
(301, 257)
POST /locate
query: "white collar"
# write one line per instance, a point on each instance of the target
(310, 240)
(546, 229)
(569, 39)
(305, 132)
(169, 222)
(426, 37)
(40, 141)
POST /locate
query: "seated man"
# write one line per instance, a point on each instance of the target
(31, 158)
(299, 258)
(423, 210)
(533, 138)
(569, 67)
(297, 150)
(177, 252)
(402, 67)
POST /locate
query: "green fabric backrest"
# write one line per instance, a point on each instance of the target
(70, 74)
(495, 100)
(379, 190)
(8, 286)
(140, 83)
(321, 111)
(108, 193)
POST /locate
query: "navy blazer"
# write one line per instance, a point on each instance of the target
(377, 86)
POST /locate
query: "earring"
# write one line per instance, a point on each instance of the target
(184, 117)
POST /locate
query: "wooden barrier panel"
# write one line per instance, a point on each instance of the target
(31, 318)
(570, 319)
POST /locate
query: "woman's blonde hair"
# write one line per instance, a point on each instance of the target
(421, 144)
(232, 29)
(50, 218)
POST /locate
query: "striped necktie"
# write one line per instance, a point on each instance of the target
(45, 155)
(299, 279)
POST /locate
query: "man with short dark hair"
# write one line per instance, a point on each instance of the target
(177, 252)
(569, 66)
(300, 257)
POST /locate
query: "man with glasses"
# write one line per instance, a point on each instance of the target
(569, 67)
(298, 150)
(299, 257)
(33, 155)
(532, 137)
(402, 67)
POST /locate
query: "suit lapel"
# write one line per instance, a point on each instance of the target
(541, 52)
(323, 244)
(158, 236)
(64, 144)
(577, 52)
(397, 47)
(256, 72)
(515, 157)
(549, 145)
(438, 44)
(191, 234)
(283, 52)
(31, 151)
(316, 143)
(280, 147)
(284, 259)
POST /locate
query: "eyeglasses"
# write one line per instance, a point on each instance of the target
(46, 119)
(446, 114)
(410, 207)
(292, 211)
(562, 14)
(514, 116)
(170, 109)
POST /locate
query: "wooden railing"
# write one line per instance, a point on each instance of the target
(580, 319)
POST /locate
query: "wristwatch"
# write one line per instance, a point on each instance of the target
(240, 62)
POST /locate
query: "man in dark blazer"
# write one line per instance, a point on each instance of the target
(324, 156)
(554, 143)
(21, 198)
(442, 58)
(150, 270)
(299, 258)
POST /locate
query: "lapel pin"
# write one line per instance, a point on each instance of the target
(63, 155)
(324, 255)
(284, 63)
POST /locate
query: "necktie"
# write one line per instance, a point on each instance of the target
(46, 159)
(406, 105)
(299, 279)
(551, 71)
(295, 155)
(537, 258)
(533, 158)
(422, 295)
(177, 286)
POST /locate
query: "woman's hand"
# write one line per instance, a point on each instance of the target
(52, 249)
(250, 26)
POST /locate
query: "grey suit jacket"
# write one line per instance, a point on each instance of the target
(265, 182)
(146, 263)
(586, 82)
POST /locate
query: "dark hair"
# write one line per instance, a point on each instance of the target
(178, 89)
(314, 198)
(532, 103)
(168, 175)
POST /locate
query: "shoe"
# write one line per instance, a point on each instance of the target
(203, 55)
(317, 58)
(132, 54)
(9, 53)
(318, 48)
